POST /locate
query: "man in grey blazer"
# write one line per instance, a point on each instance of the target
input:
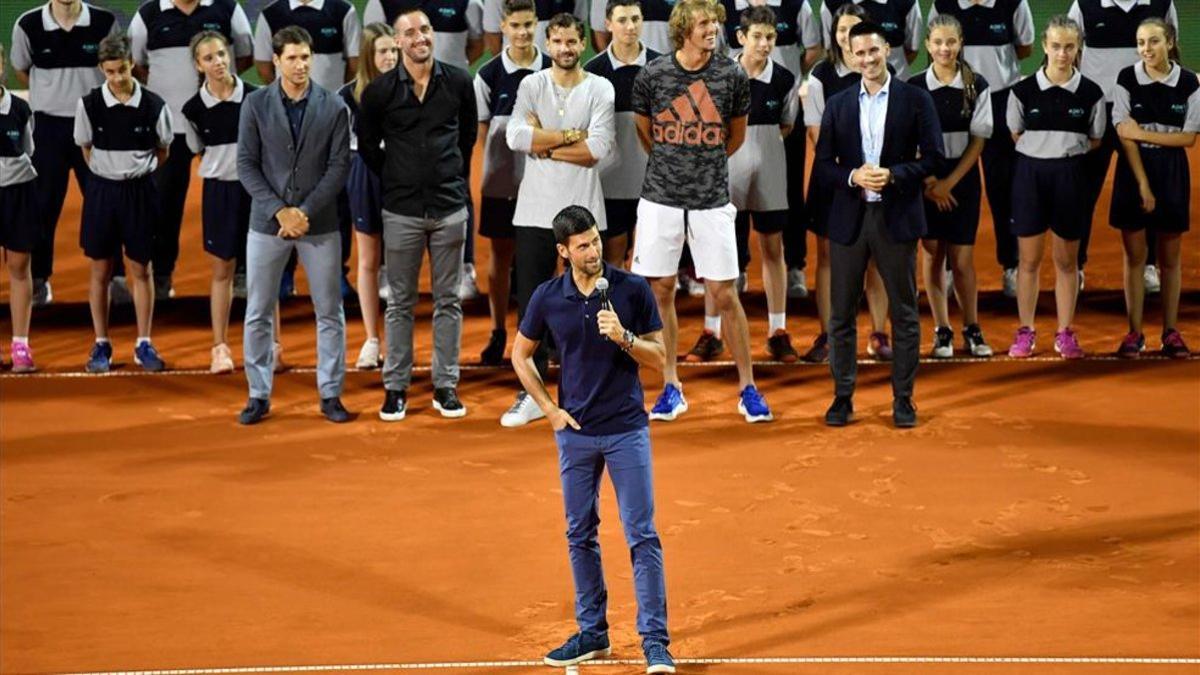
(293, 157)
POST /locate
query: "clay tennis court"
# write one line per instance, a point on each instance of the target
(1043, 518)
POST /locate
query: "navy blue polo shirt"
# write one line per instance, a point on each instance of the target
(598, 382)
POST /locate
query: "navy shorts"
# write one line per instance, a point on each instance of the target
(957, 226)
(496, 216)
(1049, 194)
(769, 222)
(1171, 183)
(119, 214)
(19, 216)
(621, 216)
(225, 216)
(362, 191)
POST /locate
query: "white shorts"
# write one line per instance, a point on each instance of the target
(710, 233)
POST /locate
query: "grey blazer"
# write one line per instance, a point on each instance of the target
(278, 172)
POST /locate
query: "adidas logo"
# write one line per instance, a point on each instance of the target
(691, 119)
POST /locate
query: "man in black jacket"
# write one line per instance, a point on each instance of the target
(424, 114)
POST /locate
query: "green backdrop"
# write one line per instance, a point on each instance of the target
(1189, 21)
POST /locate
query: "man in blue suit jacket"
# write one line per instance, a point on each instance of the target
(878, 143)
(293, 157)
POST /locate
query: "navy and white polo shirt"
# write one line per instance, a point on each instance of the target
(1171, 105)
(948, 99)
(455, 22)
(124, 137)
(493, 15)
(496, 86)
(655, 15)
(795, 25)
(758, 170)
(16, 140)
(992, 30)
(333, 25)
(623, 173)
(212, 128)
(900, 20)
(1110, 34)
(61, 63)
(1056, 121)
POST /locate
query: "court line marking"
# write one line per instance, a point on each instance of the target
(131, 370)
(798, 660)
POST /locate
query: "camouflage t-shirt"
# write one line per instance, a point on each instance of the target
(688, 111)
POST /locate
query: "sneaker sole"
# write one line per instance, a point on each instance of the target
(947, 353)
(513, 424)
(981, 351)
(149, 368)
(221, 370)
(670, 417)
(98, 369)
(1068, 357)
(461, 412)
(904, 425)
(599, 653)
(393, 417)
(661, 668)
(253, 422)
(24, 369)
(753, 419)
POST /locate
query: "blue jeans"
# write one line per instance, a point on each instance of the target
(581, 461)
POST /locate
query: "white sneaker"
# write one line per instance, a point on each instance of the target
(368, 356)
(797, 283)
(467, 290)
(222, 360)
(277, 364)
(1151, 279)
(118, 292)
(1010, 282)
(693, 286)
(43, 295)
(523, 411)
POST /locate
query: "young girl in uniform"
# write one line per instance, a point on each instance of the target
(1056, 115)
(826, 79)
(378, 55)
(18, 216)
(1156, 111)
(952, 195)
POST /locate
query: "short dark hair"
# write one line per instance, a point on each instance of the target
(867, 28)
(115, 48)
(613, 4)
(571, 221)
(410, 9)
(756, 16)
(566, 20)
(513, 6)
(290, 35)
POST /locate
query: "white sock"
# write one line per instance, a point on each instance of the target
(713, 324)
(141, 340)
(101, 340)
(775, 322)
(21, 340)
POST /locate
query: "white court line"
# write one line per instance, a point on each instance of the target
(799, 660)
(132, 371)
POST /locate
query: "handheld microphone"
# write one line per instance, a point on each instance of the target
(602, 286)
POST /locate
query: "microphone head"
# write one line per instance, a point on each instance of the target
(602, 284)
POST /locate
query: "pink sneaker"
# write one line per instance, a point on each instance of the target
(1023, 343)
(1067, 345)
(1173, 345)
(22, 358)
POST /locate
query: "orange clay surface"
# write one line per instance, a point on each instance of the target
(1041, 508)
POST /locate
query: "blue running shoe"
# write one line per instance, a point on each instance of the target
(578, 648)
(753, 406)
(658, 659)
(100, 360)
(146, 356)
(670, 404)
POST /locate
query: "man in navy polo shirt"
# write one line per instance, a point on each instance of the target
(600, 421)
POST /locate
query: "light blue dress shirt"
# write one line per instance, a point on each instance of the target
(872, 116)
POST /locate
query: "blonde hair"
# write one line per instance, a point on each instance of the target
(683, 18)
(367, 69)
(1064, 22)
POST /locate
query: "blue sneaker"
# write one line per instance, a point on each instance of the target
(100, 360)
(753, 406)
(578, 648)
(287, 285)
(670, 404)
(658, 659)
(146, 356)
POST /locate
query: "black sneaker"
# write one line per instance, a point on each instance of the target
(445, 401)
(943, 343)
(334, 411)
(819, 352)
(974, 343)
(707, 348)
(256, 409)
(493, 353)
(394, 406)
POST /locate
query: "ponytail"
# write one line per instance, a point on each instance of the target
(1169, 32)
(970, 93)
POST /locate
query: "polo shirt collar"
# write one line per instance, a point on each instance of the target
(314, 4)
(842, 69)
(111, 100)
(568, 284)
(511, 66)
(767, 72)
(49, 24)
(968, 4)
(238, 91)
(878, 2)
(1071, 85)
(164, 5)
(618, 63)
(1143, 78)
(933, 83)
(5, 101)
(740, 5)
(1125, 5)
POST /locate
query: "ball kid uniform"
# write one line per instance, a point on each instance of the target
(62, 67)
(957, 226)
(19, 223)
(496, 85)
(1056, 124)
(992, 31)
(656, 14)
(900, 20)
(362, 184)
(335, 31)
(1168, 106)
(212, 130)
(622, 176)
(493, 16)
(120, 202)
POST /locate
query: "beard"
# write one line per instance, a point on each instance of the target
(566, 61)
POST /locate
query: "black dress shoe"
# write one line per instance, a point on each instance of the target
(840, 412)
(904, 413)
(333, 410)
(255, 410)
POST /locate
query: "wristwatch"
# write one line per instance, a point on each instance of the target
(629, 338)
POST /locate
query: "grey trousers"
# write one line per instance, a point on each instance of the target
(405, 240)
(266, 256)
(897, 264)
